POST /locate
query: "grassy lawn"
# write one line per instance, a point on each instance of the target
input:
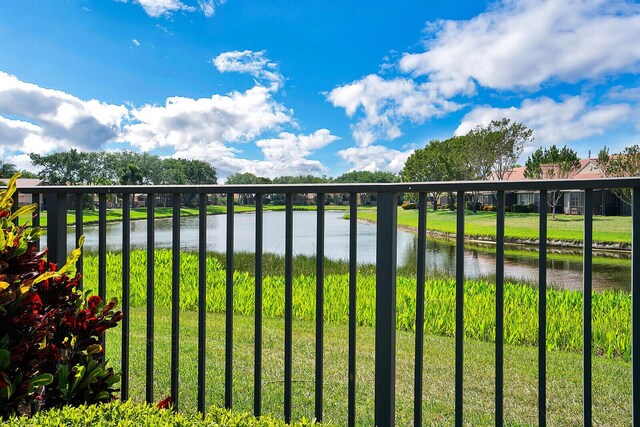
(606, 229)
(611, 378)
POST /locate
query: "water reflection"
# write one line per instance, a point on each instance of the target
(611, 270)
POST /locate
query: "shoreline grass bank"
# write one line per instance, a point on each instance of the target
(613, 232)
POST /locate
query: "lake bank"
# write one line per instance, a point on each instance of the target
(609, 233)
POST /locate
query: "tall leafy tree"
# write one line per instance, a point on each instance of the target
(626, 163)
(492, 151)
(70, 167)
(552, 163)
(199, 172)
(132, 176)
(7, 170)
(506, 144)
(437, 161)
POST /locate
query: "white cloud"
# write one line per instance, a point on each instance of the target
(22, 162)
(284, 155)
(184, 123)
(35, 119)
(249, 62)
(158, 8)
(386, 104)
(215, 129)
(621, 93)
(375, 157)
(135, 42)
(208, 7)
(523, 44)
(553, 122)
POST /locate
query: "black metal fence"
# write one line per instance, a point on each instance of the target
(385, 332)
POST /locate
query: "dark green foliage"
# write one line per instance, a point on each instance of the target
(136, 414)
(367, 177)
(522, 208)
(246, 178)
(300, 179)
(78, 167)
(49, 334)
(7, 169)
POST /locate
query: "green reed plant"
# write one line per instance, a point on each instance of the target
(611, 310)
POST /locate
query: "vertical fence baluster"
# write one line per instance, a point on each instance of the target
(420, 278)
(175, 300)
(353, 272)
(57, 229)
(151, 243)
(499, 403)
(257, 384)
(319, 304)
(386, 255)
(635, 305)
(79, 232)
(459, 405)
(542, 312)
(102, 253)
(586, 305)
(288, 305)
(35, 222)
(202, 299)
(126, 292)
(228, 353)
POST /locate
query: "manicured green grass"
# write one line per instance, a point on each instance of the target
(611, 310)
(611, 378)
(521, 226)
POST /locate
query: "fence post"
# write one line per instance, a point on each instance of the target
(57, 228)
(385, 369)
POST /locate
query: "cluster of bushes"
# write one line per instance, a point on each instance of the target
(522, 208)
(50, 333)
(136, 414)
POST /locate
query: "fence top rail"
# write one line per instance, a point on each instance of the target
(403, 187)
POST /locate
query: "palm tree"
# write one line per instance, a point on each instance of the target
(7, 170)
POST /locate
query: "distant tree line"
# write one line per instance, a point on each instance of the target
(126, 167)
(349, 177)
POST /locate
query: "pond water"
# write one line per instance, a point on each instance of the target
(611, 270)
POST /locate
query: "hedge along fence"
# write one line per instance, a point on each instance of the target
(611, 310)
(136, 414)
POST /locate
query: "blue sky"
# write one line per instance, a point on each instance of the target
(301, 87)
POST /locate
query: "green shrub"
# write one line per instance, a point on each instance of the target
(50, 334)
(408, 206)
(137, 414)
(522, 208)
